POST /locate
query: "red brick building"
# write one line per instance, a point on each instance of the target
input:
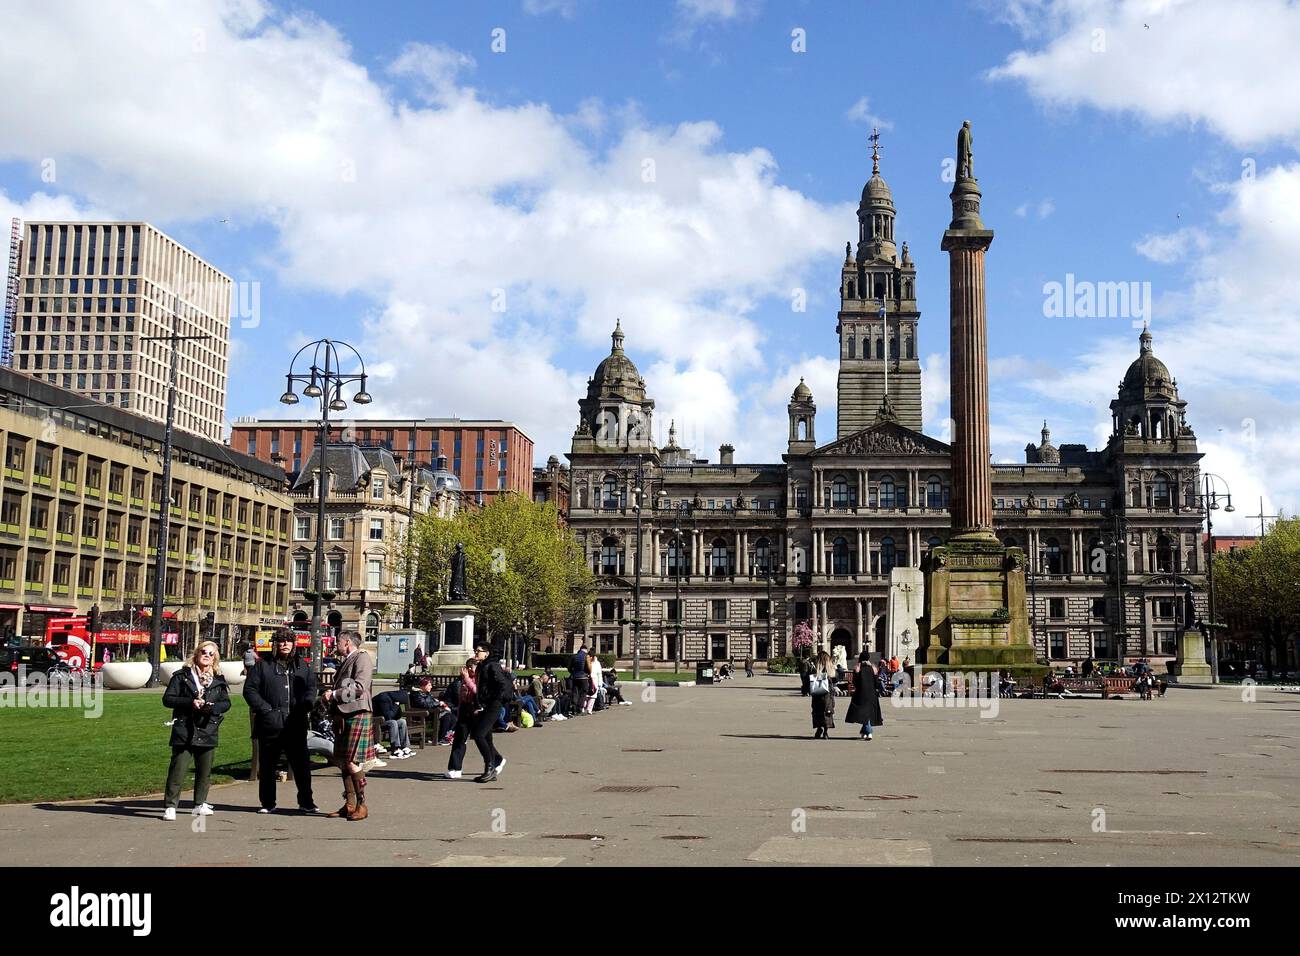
(488, 456)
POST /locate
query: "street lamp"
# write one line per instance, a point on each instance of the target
(323, 380)
(1116, 540)
(1215, 488)
(637, 495)
(771, 608)
(677, 583)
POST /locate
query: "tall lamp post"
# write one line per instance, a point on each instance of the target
(1215, 488)
(1117, 541)
(323, 379)
(771, 608)
(637, 496)
(677, 581)
(165, 505)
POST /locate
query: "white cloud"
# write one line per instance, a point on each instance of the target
(701, 10)
(860, 112)
(565, 8)
(1043, 208)
(1170, 247)
(433, 211)
(1149, 57)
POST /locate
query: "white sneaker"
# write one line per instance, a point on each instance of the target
(501, 766)
(169, 813)
(407, 752)
(452, 774)
(204, 810)
(381, 750)
(371, 764)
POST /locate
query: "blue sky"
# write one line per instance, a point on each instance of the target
(388, 176)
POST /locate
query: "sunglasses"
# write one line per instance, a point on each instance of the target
(207, 653)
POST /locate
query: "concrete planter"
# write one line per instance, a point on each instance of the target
(233, 672)
(168, 668)
(126, 675)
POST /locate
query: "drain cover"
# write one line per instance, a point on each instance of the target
(888, 796)
(643, 750)
(618, 789)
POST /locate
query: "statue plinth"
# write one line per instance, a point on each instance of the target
(1191, 667)
(455, 635)
(975, 612)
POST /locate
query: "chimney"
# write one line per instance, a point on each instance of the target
(726, 454)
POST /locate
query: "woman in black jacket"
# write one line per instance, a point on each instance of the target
(864, 708)
(199, 698)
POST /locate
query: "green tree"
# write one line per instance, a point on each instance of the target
(1258, 589)
(522, 566)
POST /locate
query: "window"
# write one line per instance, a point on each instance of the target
(676, 558)
(1164, 609)
(887, 496)
(1052, 557)
(611, 558)
(839, 492)
(336, 574)
(935, 496)
(374, 574)
(376, 529)
(718, 646)
(610, 496)
(1056, 645)
(718, 611)
(301, 527)
(840, 563)
(762, 609)
(300, 571)
(801, 611)
(377, 488)
(1167, 641)
(888, 555)
(762, 556)
(1160, 497)
(1099, 609)
(607, 609)
(1056, 609)
(720, 559)
(336, 529)
(1101, 644)
(673, 610)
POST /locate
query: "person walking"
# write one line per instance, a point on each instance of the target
(492, 690)
(281, 692)
(805, 672)
(864, 707)
(749, 665)
(418, 658)
(199, 698)
(821, 686)
(578, 678)
(466, 701)
(596, 682)
(354, 743)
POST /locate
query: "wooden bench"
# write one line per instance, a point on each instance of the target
(1117, 686)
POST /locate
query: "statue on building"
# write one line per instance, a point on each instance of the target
(458, 593)
(1031, 503)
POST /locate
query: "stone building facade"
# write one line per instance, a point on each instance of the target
(733, 555)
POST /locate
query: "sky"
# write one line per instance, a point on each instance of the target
(471, 193)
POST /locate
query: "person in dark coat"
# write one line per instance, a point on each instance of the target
(864, 708)
(199, 698)
(822, 689)
(493, 689)
(281, 692)
(578, 679)
(805, 671)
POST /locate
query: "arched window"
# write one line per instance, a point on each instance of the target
(610, 492)
(880, 287)
(802, 429)
(893, 347)
(1160, 496)
(1052, 556)
(611, 557)
(372, 626)
(762, 556)
(840, 556)
(887, 497)
(839, 492)
(909, 351)
(851, 348)
(852, 290)
(676, 558)
(888, 555)
(721, 558)
(907, 288)
(880, 348)
(934, 497)
(607, 429)
(1135, 495)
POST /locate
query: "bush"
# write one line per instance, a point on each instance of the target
(783, 665)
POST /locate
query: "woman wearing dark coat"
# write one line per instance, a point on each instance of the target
(198, 697)
(864, 708)
(823, 704)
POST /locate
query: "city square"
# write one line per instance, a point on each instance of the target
(564, 434)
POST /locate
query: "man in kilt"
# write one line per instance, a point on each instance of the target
(354, 743)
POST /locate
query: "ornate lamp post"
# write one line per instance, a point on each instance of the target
(323, 380)
(1215, 488)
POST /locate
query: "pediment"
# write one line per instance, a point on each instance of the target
(884, 439)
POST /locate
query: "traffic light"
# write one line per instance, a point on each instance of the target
(93, 622)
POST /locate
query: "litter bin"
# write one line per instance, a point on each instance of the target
(704, 672)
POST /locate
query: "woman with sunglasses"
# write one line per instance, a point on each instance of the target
(199, 698)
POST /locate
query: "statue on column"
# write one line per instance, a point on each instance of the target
(458, 592)
(965, 158)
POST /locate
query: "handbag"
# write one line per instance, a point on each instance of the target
(819, 684)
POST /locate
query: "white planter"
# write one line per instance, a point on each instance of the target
(233, 672)
(168, 668)
(126, 675)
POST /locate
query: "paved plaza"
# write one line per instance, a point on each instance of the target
(728, 774)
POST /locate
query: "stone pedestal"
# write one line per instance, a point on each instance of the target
(455, 636)
(1190, 666)
(975, 611)
(906, 604)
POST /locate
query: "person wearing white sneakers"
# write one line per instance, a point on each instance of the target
(199, 698)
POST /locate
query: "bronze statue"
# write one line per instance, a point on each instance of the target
(458, 593)
(965, 158)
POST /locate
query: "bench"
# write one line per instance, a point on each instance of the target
(1117, 686)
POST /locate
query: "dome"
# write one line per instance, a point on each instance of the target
(1146, 368)
(802, 393)
(445, 480)
(616, 373)
(876, 190)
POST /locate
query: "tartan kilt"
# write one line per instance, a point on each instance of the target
(354, 740)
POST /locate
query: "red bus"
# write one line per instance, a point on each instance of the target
(121, 633)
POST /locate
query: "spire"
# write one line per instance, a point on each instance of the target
(875, 150)
(1047, 435)
(618, 336)
(1145, 337)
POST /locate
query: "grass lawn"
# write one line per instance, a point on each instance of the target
(58, 754)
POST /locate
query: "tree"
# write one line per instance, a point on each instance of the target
(1258, 588)
(522, 566)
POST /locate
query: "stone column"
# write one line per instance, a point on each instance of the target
(966, 241)
(857, 607)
